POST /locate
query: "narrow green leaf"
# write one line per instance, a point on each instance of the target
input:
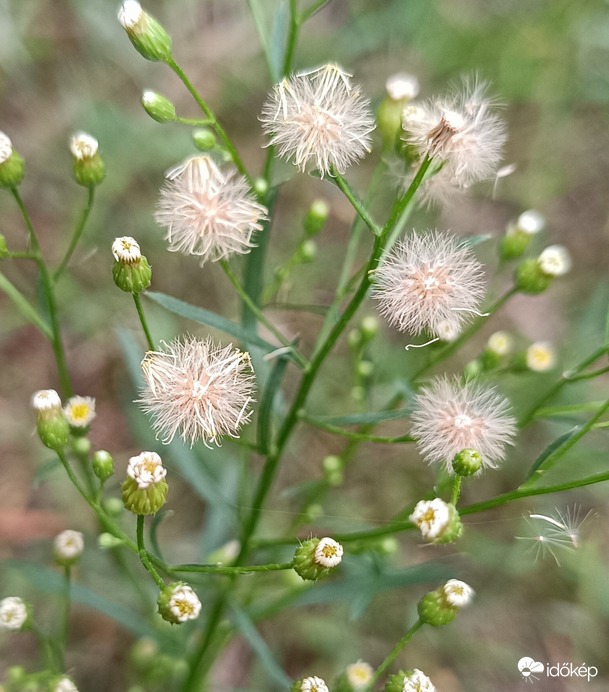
(24, 307)
(278, 40)
(45, 470)
(474, 240)
(364, 418)
(265, 412)
(550, 449)
(552, 411)
(268, 17)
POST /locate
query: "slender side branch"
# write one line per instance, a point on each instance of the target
(140, 312)
(144, 555)
(396, 650)
(80, 227)
(359, 436)
(220, 569)
(347, 190)
(24, 307)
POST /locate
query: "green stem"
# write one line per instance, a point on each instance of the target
(80, 227)
(193, 121)
(355, 202)
(359, 436)
(588, 375)
(63, 641)
(456, 491)
(21, 303)
(219, 569)
(396, 650)
(20, 255)
(47, 286)
(290, 48)
(144, 555)
(213, 123)
(144, 323)
(49, 655)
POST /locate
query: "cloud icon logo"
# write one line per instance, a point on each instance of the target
(528, 667)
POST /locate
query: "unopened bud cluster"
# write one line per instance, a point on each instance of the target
(12, 167)
(145, 488)
(315, 558)
(145, 33)
(441, 606)
(535, 275)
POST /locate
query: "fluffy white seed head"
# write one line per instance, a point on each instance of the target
(500, 343)
(328, 552)
(531, 222)
(13, 613)
(457, 593)
(402, 86)
(449, 416)
(130, 14)
(65, 685)
(6, 147)
(80, 411)
(184, 603)
(68, 544)
(146, 469)
(429, 282)
(431, 517)
(208, 212)
(46, 400)
(359, 675)
(540, 356)
(418, 682)
(313, 684)
(555, 260)
(83, 146)
(126, 249)
(198, 389)
(318, 119)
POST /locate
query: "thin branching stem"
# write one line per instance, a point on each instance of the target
(145, 559)
(76, 235)
(394, 653)
(140, 312)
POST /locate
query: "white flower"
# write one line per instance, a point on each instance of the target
(198, 389)
(13, 613)
(126, 249)
(418, 682)
(429, 282)
(46, 400)
(319, 119)
(555, 260)
(80, 411)
(313, 684)
(129, 14)
(68, 545)
(184, 603)
(402, 86)
(431, 517)
(457, 593)
(449, 417)
(83, 146)
(500, 343)
(208, 212)
(65, 685)
(146, 469)
(328, 553)
(530, 222)
(6, 148)
(540, 356)
(461, 130)
(359, 675)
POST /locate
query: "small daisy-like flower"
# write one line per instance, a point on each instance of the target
(359, 675)
(65, 685)
(146, 469)
(80, 411)
(457, 593)
(417, 681)
(184, 603)
(126, 249)
(328, 552)
(13, 613)
(540, 357)
(432, 517)
(555, 260)
(68, 546)
(461, 130)
(46, 401)
(313, 684)
(450, 416)
(402, 87)
(500, 343)
(83, 146)
(199, 389)
(6, 147)
(208, 212)
(319, 119)
(429, 282)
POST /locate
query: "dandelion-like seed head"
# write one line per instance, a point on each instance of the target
(555, 260)
(313, 684)
(417, 681)
(6, 147)
(431, 517)
(46, 401)
(429, 282)
(328, 552)
(126, 250)
(130, 14)
(318, 119)
(540, 356)
(500, 343)
(83, 146)
(68, 545)
(207, 212)
(402, 86)
(80, 411)
(198, 389)
(184, 603)
(462, 130)
(13, 613)
(450, 416)
(146, 469)
(457, 593)
(359, 675)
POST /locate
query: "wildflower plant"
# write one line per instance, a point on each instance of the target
(226, 413)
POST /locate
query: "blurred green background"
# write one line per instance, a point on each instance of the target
(67, 66)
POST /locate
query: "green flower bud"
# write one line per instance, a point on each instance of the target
(489, 360)
(396, 682)
(15, 674)
(472, 369)
(315, 218)
(513, 244)
(68, 547)
(145, 489)
(314, 558)
(53, 427)
(145, 33)
(307, 251)
(178, 603)
(467, 462)
(3, 247)
(333, 470)
(143, 653)
(358, 393)
(389, 122)
(369, 328)
(530, 278)
(113, 506)
(81, 446)
(107, 541)
(87, 164)
(354, 339)
(158, 107)
(103, 465)
(131, 271)
(365, 368)
(204, 139)
(441, 606)
(12, 167)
